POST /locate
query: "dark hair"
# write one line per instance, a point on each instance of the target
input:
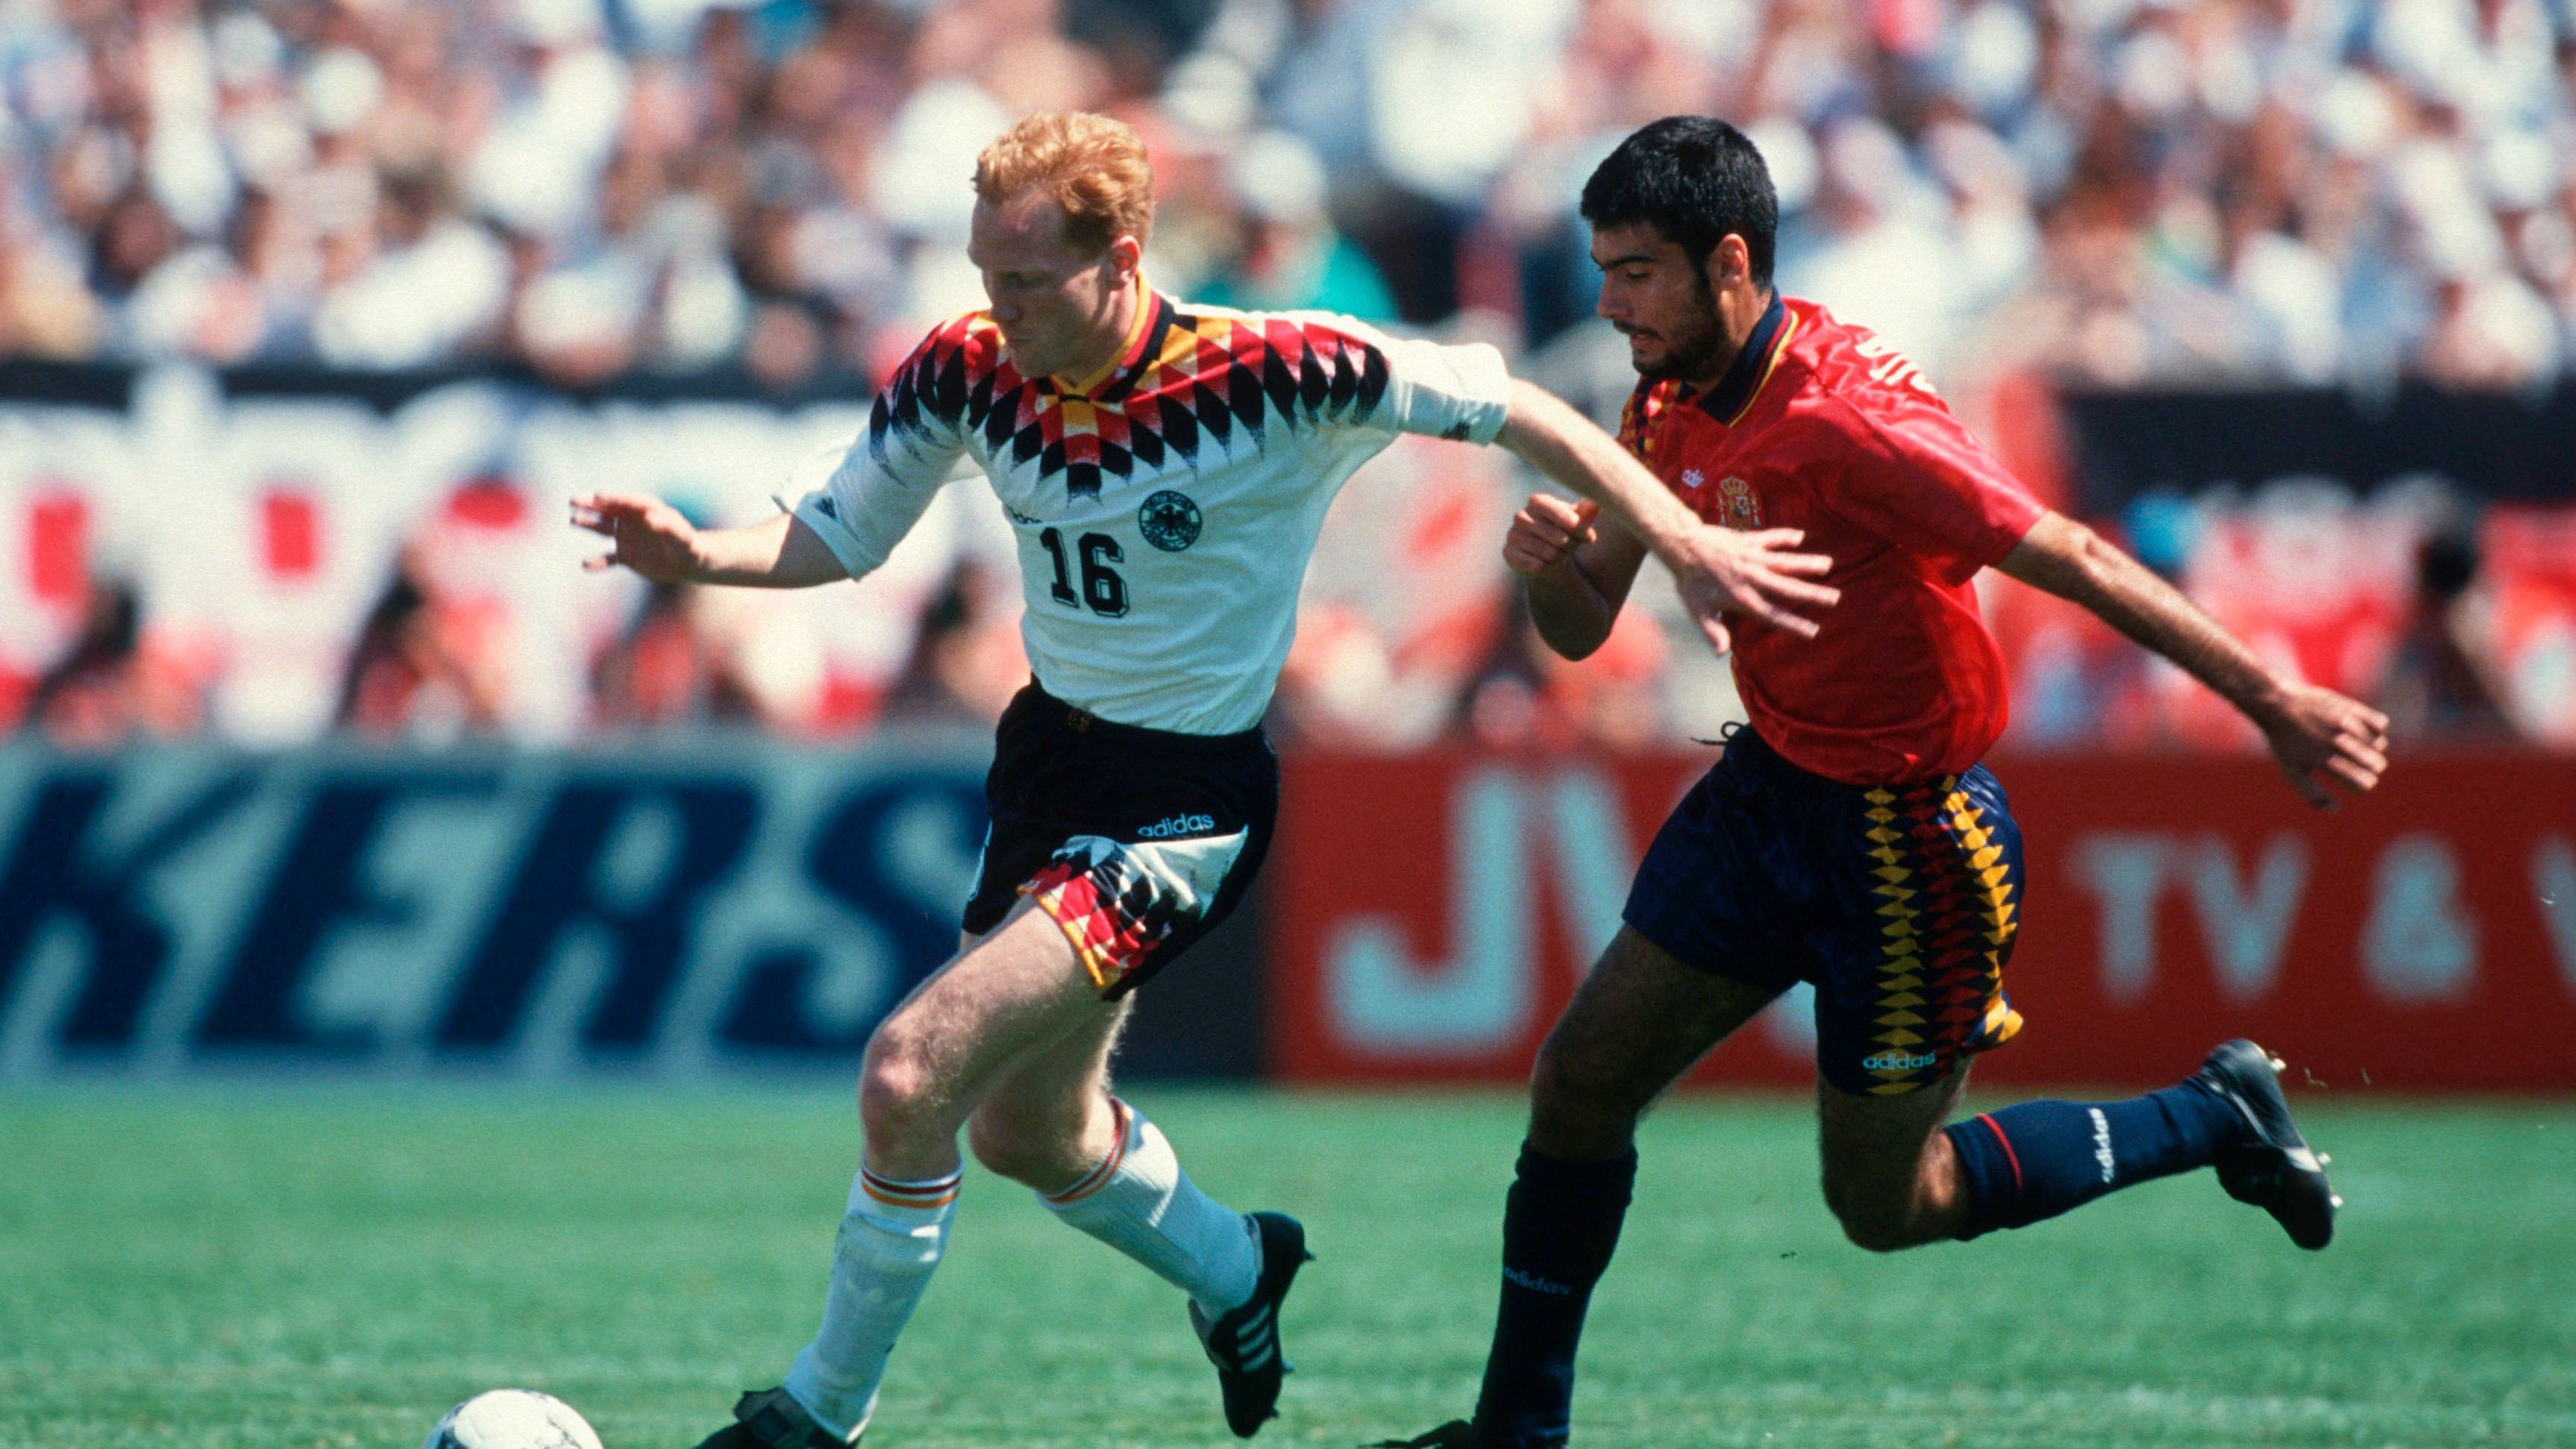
(2447, 563)
(1695, 179)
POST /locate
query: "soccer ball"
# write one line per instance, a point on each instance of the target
(513, 1419)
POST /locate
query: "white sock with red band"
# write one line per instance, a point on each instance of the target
(890, 1241)
(1140, 1202)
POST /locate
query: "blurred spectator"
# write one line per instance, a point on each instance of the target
(2022, 194)
(109, 685)
(1525, 696)
(2438, 684)
(671, 670)
(88, 697)
(1879, 232)
(1287, 256)
(1507, 704)
(2206, 190)
(966, 661)
(414, 670)
(425, 286)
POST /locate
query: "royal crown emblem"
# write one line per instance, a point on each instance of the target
(1737, 501)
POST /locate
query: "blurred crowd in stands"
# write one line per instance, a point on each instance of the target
(2024, 195)
(2115, 191)
(283, 602)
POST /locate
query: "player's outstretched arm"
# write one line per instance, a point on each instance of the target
(2316, 734)
(652, 538)
(1716, 569)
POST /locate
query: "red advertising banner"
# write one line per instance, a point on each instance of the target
(1430, 915)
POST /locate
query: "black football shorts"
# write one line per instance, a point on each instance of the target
(1135, 841)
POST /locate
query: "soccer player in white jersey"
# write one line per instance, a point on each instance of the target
(1167, 468)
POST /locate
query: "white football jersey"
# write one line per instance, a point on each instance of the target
(1165, 513)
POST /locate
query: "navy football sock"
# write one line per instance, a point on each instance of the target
(1560, 1226)
(2032, 1161)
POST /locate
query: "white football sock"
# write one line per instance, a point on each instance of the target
(890, 1240)
(1140, 1202)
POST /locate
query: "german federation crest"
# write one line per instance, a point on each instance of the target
(1169, 521)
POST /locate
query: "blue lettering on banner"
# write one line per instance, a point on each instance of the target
(318, 885)
(54, 873)
(558, 887)
(856, 860)
(752, 906)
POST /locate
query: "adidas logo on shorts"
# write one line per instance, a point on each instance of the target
(1178, 825)
(1898, 1062)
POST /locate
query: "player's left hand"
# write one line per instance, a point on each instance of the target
(2318, 735)
(1756, 572)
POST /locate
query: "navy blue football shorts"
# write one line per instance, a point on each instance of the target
(1898, 903)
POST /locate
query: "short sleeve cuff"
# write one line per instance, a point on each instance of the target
(2012, 513)
(1487, 392)
(817, 511)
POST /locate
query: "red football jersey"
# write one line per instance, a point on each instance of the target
(1819, 426)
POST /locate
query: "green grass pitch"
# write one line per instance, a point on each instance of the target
(230, 1268)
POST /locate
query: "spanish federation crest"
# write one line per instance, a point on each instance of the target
(1169, 521)
(1737, 504)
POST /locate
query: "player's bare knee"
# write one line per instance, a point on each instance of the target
(1041, 1152)
(1579, 1106)
(898, 1090)
(1874, 1216)
(1877, 1231)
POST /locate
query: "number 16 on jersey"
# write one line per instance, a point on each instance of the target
(1102, 588)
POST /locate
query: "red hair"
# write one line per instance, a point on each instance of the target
(1093, 167)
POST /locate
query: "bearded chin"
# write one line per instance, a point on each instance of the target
(1691, 355)
(1693, 359)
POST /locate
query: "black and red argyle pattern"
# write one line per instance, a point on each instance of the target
(1192, 380)
(1113, 910)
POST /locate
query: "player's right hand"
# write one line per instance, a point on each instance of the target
(1758, 572)
(1546, 532)
(2318, 736)
(645, 534)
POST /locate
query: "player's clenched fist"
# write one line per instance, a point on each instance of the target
(647, 535)
(1546, 532)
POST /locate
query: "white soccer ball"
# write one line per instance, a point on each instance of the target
(513, 1419)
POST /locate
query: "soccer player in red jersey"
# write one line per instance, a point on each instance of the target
(1848, 837)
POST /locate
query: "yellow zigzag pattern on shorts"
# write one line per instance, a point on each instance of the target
(1944, 924)
(1900, 969)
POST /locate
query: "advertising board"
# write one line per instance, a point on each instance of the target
(1431, 915)
(676, 912)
